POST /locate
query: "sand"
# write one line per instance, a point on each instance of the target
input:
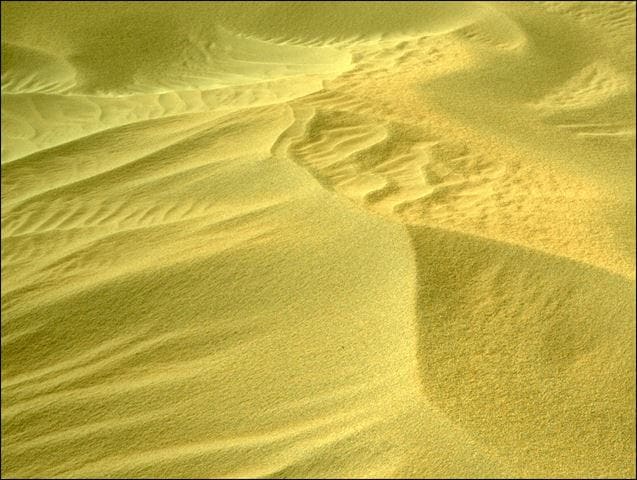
(318, 240)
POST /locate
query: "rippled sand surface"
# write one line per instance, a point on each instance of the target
(318, 239)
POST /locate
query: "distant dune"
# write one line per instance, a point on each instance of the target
(318, 239)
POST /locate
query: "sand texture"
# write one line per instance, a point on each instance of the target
(313, 239)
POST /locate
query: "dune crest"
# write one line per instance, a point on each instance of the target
(296, 239)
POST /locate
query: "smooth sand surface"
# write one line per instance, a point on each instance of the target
(318, 239)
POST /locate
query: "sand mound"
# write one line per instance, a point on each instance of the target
(296, 239)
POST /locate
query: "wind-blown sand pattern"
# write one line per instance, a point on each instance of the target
(318, 240)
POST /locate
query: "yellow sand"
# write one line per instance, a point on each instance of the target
(318, 240)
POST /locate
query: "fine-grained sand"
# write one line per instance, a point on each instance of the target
(313, 239)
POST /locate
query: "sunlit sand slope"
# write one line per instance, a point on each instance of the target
(305, 239)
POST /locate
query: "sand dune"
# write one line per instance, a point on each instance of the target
(313, 239)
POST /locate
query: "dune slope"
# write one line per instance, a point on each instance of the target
(315, 239)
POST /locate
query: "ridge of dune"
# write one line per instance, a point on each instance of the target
(318, 240)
